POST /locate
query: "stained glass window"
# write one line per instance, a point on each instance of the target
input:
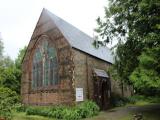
(44, 68)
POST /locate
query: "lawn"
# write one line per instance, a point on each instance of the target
(23, 116)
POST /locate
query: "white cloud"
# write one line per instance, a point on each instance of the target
(18, 18)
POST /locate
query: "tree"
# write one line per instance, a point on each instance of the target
(10, 72)
(135, 25)
(1, 51)
(18, 61)
(11, 78)
(146, 77)
(1, 48)
(8, 99)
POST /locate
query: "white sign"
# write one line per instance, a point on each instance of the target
(79, 94)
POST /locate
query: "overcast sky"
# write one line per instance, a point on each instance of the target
(19, 17)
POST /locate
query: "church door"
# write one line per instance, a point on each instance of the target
(102, 92)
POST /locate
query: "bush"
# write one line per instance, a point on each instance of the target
(155, 99)
(87, 109)
(57, 112)
(150, 99)
(42, 111)
(83, 110)
(71, 114)
(8, 98)
(118, 101)
(20, 107)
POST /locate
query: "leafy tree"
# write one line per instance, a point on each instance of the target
(18, 61)
(10, 72)
(7, 100)
(1, 51)
(135, 25)
(6, 62)
(10, 78)
(1, 48)
(146, 77)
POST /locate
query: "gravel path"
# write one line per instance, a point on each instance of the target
(120, 113)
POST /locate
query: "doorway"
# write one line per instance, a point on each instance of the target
(102, 91)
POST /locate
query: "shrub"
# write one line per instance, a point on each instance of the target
(150, 99)
(87, 109)
(42, 111)
(20, 107)
(71, 114)
(132, 100)
(8, 98)
(155, 99)
(118, 101)
(83, 110)
(57, 112)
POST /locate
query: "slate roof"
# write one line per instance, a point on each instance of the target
(80, 40)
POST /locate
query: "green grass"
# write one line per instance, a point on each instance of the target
(140, 100)
(127, 117)
(139, 103)
(23, 116)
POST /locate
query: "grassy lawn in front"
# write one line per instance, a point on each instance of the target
(23, 116)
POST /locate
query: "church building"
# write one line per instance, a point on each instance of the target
(61, 66)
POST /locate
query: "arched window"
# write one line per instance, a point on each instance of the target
(44, 66)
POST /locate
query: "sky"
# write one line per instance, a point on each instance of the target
(19, 17)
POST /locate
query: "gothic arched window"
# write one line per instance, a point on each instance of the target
(44, 66)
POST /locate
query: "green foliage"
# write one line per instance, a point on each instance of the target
(134, 25)
(1, 49)
(7, 100)
(42, 111)
(18, 61)
(10, 77)
(10, 72)
(20, 107)
(117, 100)
(146, 77)
(6, 62)
(87, 109)
(142, 100)
(84, 110)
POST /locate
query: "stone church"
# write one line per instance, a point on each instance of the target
(61, 66)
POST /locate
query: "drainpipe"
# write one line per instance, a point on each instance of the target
(88, 89)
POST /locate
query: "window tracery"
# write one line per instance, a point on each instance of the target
(44, 66)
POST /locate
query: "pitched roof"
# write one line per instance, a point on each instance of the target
(80, 40)
(74, 36)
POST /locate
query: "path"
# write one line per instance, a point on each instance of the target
(150, 112)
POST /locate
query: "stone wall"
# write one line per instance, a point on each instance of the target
(84, 65)
(62, 93)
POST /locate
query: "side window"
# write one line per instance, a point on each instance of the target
(44, 66)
